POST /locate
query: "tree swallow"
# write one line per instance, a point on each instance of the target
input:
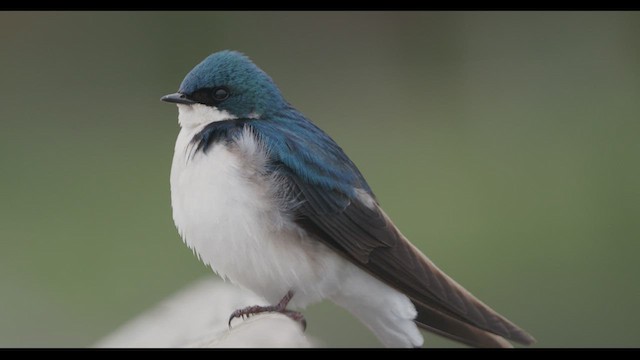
(272, 203)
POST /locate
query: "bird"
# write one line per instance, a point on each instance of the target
(273, 204)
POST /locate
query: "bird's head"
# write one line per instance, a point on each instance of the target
(225, 85)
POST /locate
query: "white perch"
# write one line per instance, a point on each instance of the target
(197, 317)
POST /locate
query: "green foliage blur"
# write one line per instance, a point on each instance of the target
(505, 145)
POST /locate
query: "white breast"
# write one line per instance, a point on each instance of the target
(225, 210)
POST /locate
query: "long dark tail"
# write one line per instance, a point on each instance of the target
(454, 329)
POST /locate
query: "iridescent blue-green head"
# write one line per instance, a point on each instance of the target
(228, 81)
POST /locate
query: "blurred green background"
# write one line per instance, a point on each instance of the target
(505, 145)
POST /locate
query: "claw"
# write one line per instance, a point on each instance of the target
(298, 317)
(281, 308)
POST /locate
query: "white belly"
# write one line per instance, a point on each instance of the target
(225, 211)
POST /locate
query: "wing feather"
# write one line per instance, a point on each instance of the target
(327, 189)
(366, 235)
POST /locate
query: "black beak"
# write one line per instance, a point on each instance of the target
(177, 98)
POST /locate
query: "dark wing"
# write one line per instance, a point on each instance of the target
(323, 181)
(367, 236)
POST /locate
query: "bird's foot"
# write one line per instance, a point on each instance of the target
(280, 307)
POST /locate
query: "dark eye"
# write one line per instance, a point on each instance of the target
(220, 93)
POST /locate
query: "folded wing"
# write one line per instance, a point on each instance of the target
(357, 228)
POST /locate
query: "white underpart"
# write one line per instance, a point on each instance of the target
(230, 214)
(190, 116)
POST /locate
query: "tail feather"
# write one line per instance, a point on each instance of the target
(454, 329)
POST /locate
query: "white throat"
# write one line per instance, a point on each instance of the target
(190, 116)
